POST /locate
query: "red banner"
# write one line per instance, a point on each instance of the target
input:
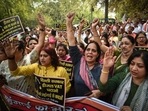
(21, 101)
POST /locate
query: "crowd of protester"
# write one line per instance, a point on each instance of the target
(109, 60)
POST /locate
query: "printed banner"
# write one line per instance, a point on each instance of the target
(68, 66)
(21, 101)
(10, 27)
(51, 89)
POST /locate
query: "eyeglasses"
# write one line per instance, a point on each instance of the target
(141, 38)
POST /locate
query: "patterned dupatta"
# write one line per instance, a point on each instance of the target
(87, 76)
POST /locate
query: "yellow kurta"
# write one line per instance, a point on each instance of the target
(43, 71)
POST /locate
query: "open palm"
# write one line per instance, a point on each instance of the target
(41, 21)
(10, 48)
(109, 58)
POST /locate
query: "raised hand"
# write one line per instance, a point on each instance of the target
(10, 49)
(69, 18)
(81, 24)
(94, 30)
(70, 32)
(41, 21)
(95, 23)
(109, 58)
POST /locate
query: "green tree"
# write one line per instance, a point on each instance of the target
(132, 8)
(18, 7)
(53, 10)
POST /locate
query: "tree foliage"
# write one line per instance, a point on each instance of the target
(132, 8)
(58, 10)
(55, 10)
(18, 7)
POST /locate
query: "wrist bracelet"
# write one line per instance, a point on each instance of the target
(105, 72)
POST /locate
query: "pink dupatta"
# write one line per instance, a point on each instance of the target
(84, 74)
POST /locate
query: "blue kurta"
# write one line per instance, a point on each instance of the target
(80, 87)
